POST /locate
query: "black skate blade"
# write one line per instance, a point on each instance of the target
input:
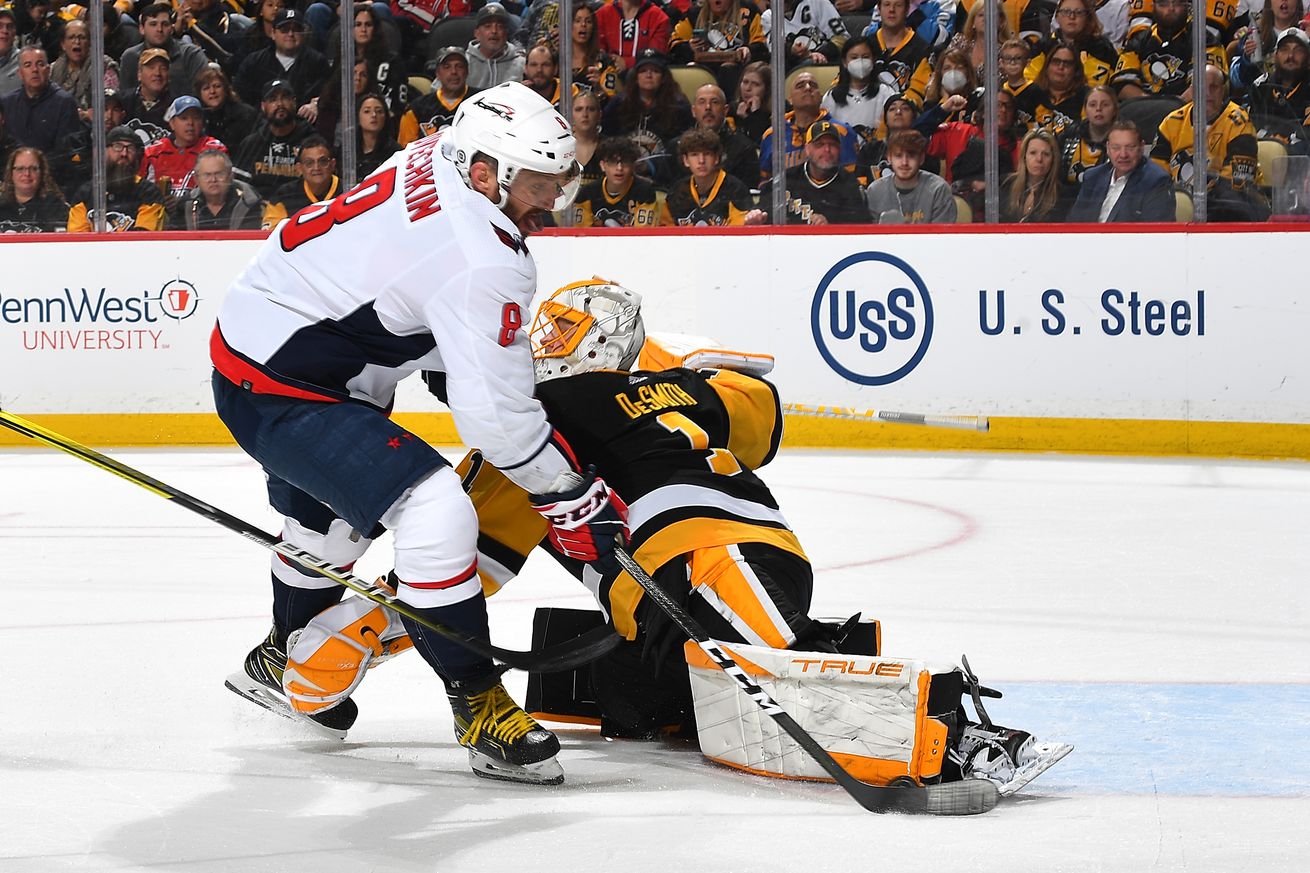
(547, 772)
(260, 695)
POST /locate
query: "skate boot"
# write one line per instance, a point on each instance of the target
(1006, 757)
(504, 742)
(260, 682)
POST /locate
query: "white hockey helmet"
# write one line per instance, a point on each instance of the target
(521, 130)
(590, 325)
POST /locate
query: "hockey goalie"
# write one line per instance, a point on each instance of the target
(678, 428)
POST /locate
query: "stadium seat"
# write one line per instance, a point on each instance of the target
(855, 23)
(1147, 113)
(450, 31)
(420, 85)
(1271, 163)
(690, 78)
(963, 211)
(825, 75)
(1182, 207)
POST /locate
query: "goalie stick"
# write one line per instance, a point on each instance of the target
(956, 422)
(565, 656)
(965, 797)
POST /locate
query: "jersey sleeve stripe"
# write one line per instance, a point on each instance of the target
(440, 584)
(565, 449)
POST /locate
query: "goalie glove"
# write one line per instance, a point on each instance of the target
(584, 516)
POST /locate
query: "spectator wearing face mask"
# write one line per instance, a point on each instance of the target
(953, 77)
(858, 97)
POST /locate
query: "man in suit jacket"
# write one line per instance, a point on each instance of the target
(1128, 188)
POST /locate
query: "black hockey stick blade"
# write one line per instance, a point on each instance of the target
(965, 797)
(564, 656)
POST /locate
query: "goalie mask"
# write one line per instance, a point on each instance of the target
(586, 326)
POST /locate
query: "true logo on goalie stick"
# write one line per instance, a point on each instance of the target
(872, 318)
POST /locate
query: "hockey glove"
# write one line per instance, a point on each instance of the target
(584, 516)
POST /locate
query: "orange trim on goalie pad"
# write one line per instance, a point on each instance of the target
(929, 736)
(334, 668)
(717, 569)
(682, 538)
(925, 758)
(696, 657)
(875, 771)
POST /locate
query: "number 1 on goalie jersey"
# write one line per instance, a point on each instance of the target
(720, 461)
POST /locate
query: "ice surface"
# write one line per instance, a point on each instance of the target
(1153, 613)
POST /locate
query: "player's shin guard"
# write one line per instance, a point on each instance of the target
(300, 594)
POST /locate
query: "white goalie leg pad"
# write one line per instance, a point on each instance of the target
(327, 659)
(436, 534)
(869, 713)
(335, 547)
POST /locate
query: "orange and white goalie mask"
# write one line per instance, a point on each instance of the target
(589, 325)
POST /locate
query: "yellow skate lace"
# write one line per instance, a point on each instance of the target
(495, 713)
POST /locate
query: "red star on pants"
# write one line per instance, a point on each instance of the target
(394, 442)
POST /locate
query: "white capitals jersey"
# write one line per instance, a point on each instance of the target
(410, 270)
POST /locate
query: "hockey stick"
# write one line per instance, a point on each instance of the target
(956, 422)
(966, 797)
(566, 656)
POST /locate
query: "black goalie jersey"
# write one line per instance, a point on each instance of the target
(678, 445)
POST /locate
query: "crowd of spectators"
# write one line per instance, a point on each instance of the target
(226, 114)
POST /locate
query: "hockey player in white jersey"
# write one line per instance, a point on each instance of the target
(420, 267)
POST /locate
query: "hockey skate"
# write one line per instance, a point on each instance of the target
(260, 682)
(1008, 758)
(504, 742)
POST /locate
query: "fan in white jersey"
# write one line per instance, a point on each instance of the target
(815, 31)
(422, 267)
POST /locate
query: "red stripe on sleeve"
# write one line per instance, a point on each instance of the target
(565, 449)
(447, 583)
